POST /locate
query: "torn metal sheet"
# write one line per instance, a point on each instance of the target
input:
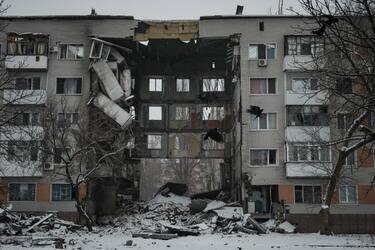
(112, 44)
(108, 79)
(126, 81)
(111, 109)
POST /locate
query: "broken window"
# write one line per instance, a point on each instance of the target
(96, 49)
(304, 152)
(181, 142)
(27, 44)
(69, 86)
(213, 113)
(263, 86)
(210, 144)
(303, 85)
(61, 155)
(29, 83)
(155, 85)
(263, 157)
(155, 113)
(307, 115)
(62, 192)
(71, 51)
(182, 113)
(182, 85)
(348, 194)
(213, 84)
(344, 120)
(262, 51)
(154, 141)
(303, 45)
(309, 194)
(265, 121)
(21, 192)
(66, 119)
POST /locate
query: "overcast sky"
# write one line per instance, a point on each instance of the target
(146, 9)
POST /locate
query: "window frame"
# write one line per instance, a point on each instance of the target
(155, 84)
(309, 155)
(216, 87)
(69, 77)
(216, 112)
(313, 188)
(183, 86)
(307, 90)
(155, 106)
(32, 83)
(345, 115)
(313, 47)
(61, 156)
(267, 85)
(161, 142)
(268, 157)
(20, 183)
(65, 123)
(347, 202)
(182, 118)
(60, 200)
(66, 52)
(258, 119)
(260, 43)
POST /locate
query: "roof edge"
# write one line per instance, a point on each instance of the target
(68, 17)
(251, 16)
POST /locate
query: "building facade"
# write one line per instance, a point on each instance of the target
(187, 78)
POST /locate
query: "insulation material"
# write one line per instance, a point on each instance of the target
(108, 79)
(113, 110)
(126, 81)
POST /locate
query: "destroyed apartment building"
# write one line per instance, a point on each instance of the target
(211, 103)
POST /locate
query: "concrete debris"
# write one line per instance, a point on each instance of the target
(111, 109)
(11, 224)
(170, 187)
(108, 80)
(279, 226)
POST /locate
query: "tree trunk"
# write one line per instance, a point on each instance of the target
(82, 214)
(324, 213)
(325, 223)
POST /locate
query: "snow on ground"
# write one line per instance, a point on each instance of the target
(114, 239)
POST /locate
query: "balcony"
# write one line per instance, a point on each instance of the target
(293, 98)
(20, 169)
(307, 170)
(21, 133)
(26, 62)
(301, 63)
(25, 97)
(307, 133)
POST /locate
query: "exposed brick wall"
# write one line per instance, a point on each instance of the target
(286, 192)
(42, 192)
(3, 191)
(366, 194)
(82, 191)
(365, 158)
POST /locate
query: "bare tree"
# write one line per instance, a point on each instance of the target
(79, 148)
(346, 72)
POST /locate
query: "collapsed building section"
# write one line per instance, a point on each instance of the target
(179, 87)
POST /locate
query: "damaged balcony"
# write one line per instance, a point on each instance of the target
(27, 51)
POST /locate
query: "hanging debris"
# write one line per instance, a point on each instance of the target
(255, 110)
(214, 134)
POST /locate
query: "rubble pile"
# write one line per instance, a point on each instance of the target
(169, 215)
(13, 224)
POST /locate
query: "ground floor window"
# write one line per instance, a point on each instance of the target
(21, 192)
(348, 194)
(61, 192)
(310, 194)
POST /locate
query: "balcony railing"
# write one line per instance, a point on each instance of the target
(307, 169)
(23, 97)
(29, 62)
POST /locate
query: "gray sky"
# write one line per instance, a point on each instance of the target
(145, 9)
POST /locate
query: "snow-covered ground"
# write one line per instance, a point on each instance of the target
(116, 239)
